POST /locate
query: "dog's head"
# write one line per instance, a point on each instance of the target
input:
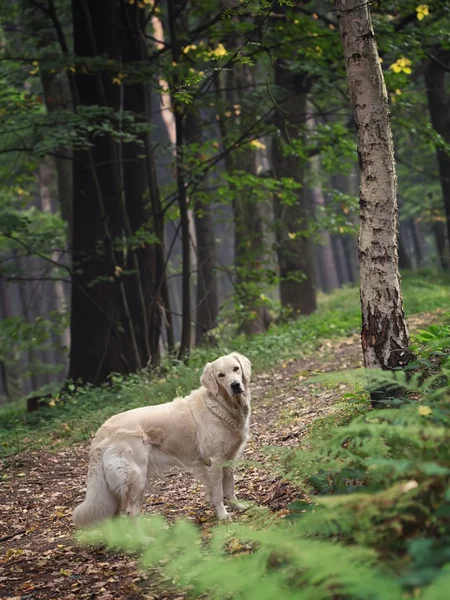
(228, 375)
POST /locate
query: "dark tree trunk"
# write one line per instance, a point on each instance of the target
(103, 336)
(294, 247)
(439, 236)
(417, 242)
(439, 107)
(404, 260)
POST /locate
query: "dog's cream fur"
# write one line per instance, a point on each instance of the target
(200, 432)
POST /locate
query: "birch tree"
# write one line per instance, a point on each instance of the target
(384, 336)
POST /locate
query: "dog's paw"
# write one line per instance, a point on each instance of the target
(238, 506)
(224, 516)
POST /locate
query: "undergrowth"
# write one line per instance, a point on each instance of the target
(74, 415)
(378, 524)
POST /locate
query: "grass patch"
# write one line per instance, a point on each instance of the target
(74, 417)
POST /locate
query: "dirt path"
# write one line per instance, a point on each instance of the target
(38, 555)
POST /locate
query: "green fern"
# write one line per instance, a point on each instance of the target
(378, 526)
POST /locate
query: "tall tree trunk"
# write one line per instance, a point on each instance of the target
(439, 236)
(294, 247)
(417, 241)
(385, 337)
(207, 305)
(326, 260)
(249, 235)
(439, 107)
(103, 333)
(344, 245)
(175, 9)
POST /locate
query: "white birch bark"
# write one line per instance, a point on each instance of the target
(384, 336)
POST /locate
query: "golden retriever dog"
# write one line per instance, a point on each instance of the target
(200, 432)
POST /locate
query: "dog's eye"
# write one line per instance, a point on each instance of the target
(221, 374)
(236, 369)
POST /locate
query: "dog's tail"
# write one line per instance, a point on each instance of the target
(100, 502)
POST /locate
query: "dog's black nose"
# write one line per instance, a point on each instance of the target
(236, 387)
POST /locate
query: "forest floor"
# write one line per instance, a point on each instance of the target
(39, 556)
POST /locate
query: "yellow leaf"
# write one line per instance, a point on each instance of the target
(291, 236)
(407, 70)
(257, 144)
(52, 403)
(422, 11)
(398, 92)
(219, 51)
(424, 411)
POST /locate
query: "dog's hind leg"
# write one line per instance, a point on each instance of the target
(136, 485)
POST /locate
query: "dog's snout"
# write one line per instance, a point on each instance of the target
(236, 386)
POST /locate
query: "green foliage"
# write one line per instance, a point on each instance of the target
(376, 527)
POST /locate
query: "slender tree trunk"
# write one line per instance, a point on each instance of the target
(323, 251)
(404, 259)
(344, 245)
(385, 337)
(439, 236)
(439, 107)
(175, 8)
(207, 306)
(294, 247)
(417, 241)
(56, 92)
(249, 238)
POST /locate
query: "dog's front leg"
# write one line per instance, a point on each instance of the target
(212, 478)
(228, 488)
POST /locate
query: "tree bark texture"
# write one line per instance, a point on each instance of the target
(294, 247)
(385, 337)
(112, 327)
(439, 107)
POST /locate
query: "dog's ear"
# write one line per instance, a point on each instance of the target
(208, 379)
(246, 365)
